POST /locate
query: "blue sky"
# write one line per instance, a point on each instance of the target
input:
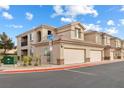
(18, 19)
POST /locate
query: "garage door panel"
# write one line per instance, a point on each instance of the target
(95, 56)
(72, 56)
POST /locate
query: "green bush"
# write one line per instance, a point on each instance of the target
(30, 60)
(25, 60)
(37, 60)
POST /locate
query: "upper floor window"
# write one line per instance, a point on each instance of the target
(49, 32)
(108, 40)
(39, 36)
(31, 38)
(77, 33)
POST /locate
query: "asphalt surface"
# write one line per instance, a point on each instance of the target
(102, 76)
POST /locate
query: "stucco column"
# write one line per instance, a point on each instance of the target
(60, 60)
(121, 54)
(87, 55)
(102, 55)
(28, 46)
(19, 48)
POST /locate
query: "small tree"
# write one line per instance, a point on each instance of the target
(5, 42)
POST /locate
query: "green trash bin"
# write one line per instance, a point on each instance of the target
(8, 60)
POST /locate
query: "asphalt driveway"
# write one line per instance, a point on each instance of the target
(101, 76)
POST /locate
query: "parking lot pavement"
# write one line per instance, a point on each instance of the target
(101, 76)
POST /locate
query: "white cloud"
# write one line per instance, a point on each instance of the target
(111, 30)
(7, 16)
(63, 19)
(122, 8)
(29, 16)
(14, 26)
(122, 21)
(92, 27)
(73, 11)
(6, 7)
(110, 22)
(58, 10)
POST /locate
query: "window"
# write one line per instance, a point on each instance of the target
(108, 40)
(49, 32)
(77, 33)
(31, 37)
(39, 36)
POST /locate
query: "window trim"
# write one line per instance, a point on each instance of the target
(77, 33)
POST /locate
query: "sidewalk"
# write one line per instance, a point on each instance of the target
(44, 68)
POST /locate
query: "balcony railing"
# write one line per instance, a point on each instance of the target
(24, 43)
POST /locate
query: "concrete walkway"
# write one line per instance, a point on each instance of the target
(21, 69)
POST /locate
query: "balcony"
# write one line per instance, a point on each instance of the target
(24, 43)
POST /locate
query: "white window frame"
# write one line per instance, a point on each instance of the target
(31, 36)
(77, 33)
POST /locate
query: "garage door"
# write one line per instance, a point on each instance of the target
(111, 55)
(95, 56)
(72, 56)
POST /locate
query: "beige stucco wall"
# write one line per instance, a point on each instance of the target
(55, 53)
(93, 38)
(90, 38)
(107, 52)
(122, 44)
(19, 46)
(73, 35)
(113, 43)
(68, 32)
(34, 36)
(98, 39)
(65, 35)
(116, 42)
(106, 40)
(58, 51)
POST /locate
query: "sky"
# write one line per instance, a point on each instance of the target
(16, 19)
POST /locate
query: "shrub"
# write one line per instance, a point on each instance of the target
(30, 60)
(37, 60)
(118, 57)
(25, 60)
(106, 58)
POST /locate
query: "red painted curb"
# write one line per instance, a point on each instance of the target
(45, 70)
(51, 69)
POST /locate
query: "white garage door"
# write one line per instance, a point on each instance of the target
(95, 56)
(111, 55)
(72, 56)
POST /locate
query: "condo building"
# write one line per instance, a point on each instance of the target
(70, 44)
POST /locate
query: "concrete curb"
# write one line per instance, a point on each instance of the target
(54, 68)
